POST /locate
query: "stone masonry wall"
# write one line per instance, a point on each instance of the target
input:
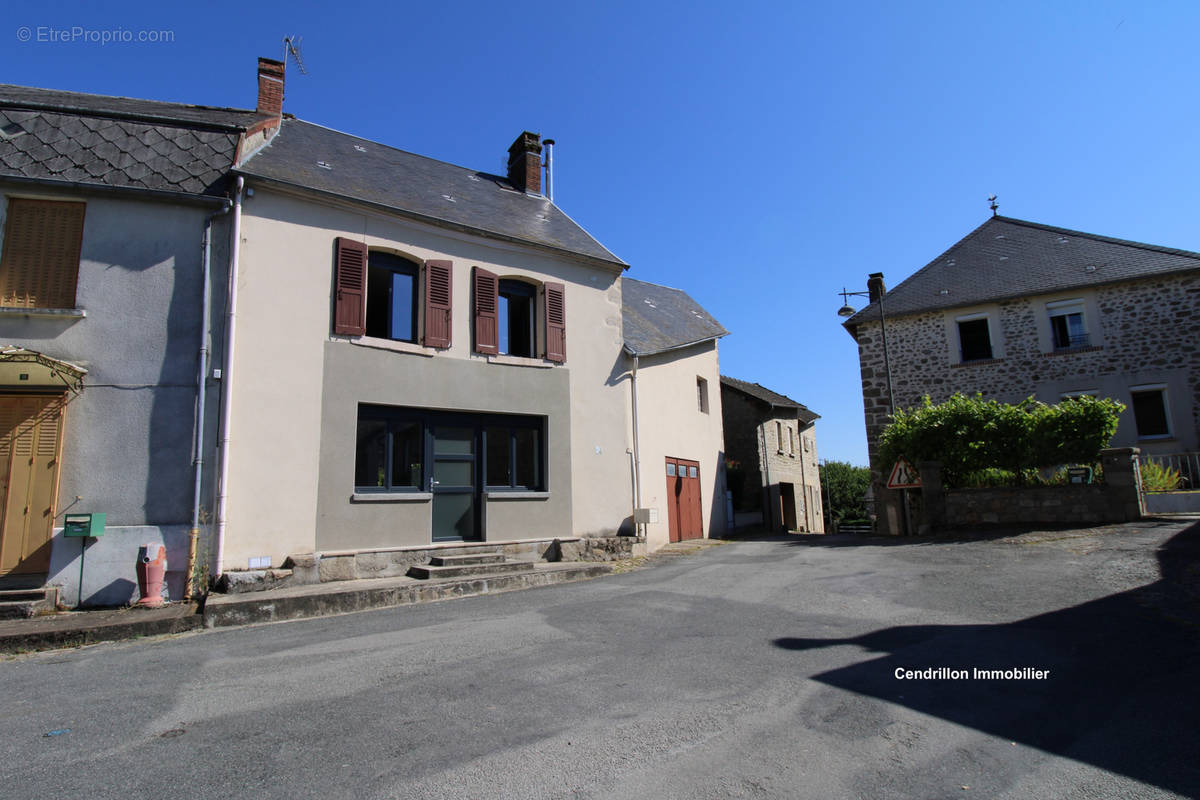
(1148, 330)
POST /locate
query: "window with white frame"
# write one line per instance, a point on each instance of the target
(974, 338)
(702, 394)
(1068, 330)
(1151, 414)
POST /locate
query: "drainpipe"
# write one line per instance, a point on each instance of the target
(235, 252)
(637, 451)
(201, 386)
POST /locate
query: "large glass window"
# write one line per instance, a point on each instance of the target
(389, 454)
(514, 456)
(391, 297)
(516, 318)
(400, 449)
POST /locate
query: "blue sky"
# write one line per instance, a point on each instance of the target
(759, 155)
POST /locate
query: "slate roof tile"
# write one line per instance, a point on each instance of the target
(417, 186)
(1007, 258)
(773, 399)
(658, 318)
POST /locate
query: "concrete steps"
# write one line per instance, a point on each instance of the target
(468, 566)
(26, 603)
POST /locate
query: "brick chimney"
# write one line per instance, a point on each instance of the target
(270, 87)
(875, 287)
(525, 163)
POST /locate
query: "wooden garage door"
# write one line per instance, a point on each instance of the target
(684, 512)
(30, 444)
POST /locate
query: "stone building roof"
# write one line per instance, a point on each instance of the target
(773, 399)
(117, 142)
(656, 318)
(1006, 258)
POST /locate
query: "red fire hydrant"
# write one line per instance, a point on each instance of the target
(151, 569)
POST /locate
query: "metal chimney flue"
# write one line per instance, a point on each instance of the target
(549, 143)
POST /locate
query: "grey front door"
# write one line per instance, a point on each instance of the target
(454, 483)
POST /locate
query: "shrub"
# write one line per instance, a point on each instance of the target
(971, 436)
(1158, 477)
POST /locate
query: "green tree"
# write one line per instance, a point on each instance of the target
(844, 486)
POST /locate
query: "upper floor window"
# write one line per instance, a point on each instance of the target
(974, 338)
(515, 310)
(1067, 328)
(39, 267)
(387, 296)
(391, 297)
(1150, 411)
(518, 317)
(702, 394)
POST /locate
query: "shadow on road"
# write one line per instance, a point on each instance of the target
(1123, 690)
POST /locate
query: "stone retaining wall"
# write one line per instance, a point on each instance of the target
(1118, 499)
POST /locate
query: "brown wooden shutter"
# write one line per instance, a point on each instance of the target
(438, 296)
(350, 287)
(40, 266)
(556, 322)
(487, 292)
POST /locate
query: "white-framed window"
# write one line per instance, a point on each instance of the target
(1068, 327)
(702, 394)
(974, 338)
(791, 442)
(1151, 411)
(778, 437)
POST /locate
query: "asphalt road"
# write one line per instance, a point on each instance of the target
(755, 669)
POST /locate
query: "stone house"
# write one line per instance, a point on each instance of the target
(1018, 309)
(670, 344)
(773, 440)
(115, 230)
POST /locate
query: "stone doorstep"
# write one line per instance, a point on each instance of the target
(318, 600)
(26, 603)
(428, 571)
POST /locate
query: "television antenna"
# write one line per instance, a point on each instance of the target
(291, 47)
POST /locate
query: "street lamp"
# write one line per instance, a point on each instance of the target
(848, 311)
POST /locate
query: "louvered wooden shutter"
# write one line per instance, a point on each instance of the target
(438, 294)
(556, 322)
(40, 266)
(487, 291)
(350, 287)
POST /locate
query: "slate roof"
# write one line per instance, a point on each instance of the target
(323, 160)
(772, 399)
(1007, 258)
(48, 135)
(656, 318)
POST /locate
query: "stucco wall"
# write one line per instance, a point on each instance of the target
(284, 327)
(128, 437)
(671, 424)
(355, 375)
(1142, 332)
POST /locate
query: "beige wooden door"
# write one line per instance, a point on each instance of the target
(30, 443)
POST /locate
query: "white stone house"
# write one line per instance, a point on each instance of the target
(1018, 309)
(673, 373)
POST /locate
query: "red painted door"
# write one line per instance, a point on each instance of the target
(685, 516)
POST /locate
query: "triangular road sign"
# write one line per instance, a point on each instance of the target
(904, 476)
